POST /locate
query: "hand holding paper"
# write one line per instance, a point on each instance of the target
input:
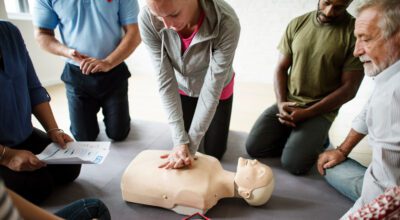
(75, 153)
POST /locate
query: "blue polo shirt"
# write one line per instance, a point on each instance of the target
(20, 89)
(92, 27)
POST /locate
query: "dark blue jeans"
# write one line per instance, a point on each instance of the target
(88, 93)
(298, 147)
(85, 209)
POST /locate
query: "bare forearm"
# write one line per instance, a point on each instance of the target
(352, 139)
(127, 45)
(338, 97)
(45, 116)
(28, 210)
(46, 39)
(280, 86)
(332, 101)
(281, 77)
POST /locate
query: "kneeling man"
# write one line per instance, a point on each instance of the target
(377, 29)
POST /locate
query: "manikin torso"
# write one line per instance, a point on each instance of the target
(185, 191)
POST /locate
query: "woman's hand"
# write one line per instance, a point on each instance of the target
(21, 160)
(59, 137)
(179, 157)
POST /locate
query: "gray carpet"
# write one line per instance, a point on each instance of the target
(294, 197)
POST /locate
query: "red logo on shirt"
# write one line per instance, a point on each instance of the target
(109, 0)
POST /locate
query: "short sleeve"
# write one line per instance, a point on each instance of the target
(285, 44)
(129, 10)
(43, 14)
(352, 63)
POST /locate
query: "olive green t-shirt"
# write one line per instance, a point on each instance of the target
(320, 54)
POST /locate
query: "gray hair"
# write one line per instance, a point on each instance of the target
(390, 11)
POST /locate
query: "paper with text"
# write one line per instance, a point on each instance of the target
(83, 152)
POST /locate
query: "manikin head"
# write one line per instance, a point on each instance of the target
(377, 30)
(255, 181)
(175, 14)
(330, 11)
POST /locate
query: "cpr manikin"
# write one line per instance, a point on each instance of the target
(196, 188)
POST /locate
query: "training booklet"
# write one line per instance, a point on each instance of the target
(79, 152)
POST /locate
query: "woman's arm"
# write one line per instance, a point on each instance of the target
(27, 210)
(220, 67)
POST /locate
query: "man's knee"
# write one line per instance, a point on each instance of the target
(296, 165)
(252, 149)
(347, 178)
(255, 145)
(84, 132)
(262, 147)
(118, 134)
(85, 136)
(331, 175)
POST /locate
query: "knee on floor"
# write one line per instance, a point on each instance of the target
(118, 134)
(86, 137)
(252, 149)
(295, 167)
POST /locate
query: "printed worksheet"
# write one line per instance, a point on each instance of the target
(80, 152)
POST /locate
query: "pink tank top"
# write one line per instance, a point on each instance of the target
(228, 90)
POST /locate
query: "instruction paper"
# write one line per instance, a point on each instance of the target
(81, 152)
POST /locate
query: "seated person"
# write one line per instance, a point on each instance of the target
(13, 206)
(21, 94)
(196, 188)
(377, 29)
(315, 75)
(385, 206)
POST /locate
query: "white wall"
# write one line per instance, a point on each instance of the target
(48, 67)
(263, 23)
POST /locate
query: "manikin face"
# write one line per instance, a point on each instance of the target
(374, 50)
(250, 175)
(331, 10)
(175, 14)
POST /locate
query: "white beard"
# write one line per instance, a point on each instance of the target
(373, 69)
(370, 68)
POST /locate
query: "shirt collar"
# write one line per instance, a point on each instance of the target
(386, 74)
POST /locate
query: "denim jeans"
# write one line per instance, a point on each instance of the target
(87, 94)
(85, 209)
(347, 178)
(298, 147)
